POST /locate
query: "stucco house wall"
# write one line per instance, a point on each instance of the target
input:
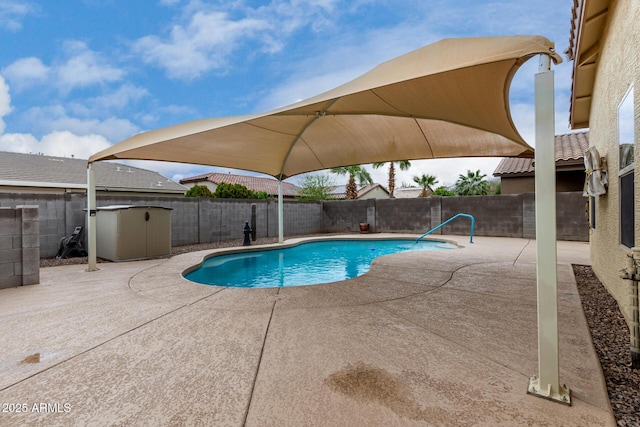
(210, 185)
(618, 69)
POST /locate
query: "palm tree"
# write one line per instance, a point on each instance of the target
(353, 171)
(425, 181)
(402, 164)
(472, 184)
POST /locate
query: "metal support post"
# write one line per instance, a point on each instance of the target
(91, 218)
(280, 213)
(546, 384)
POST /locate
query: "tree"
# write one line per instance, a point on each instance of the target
(233, 191)
(353, 171)
(426, 182)
(443, 191)
(199, 191)
(316, 187)
(472, 184)
(494, 186)
(402, 164)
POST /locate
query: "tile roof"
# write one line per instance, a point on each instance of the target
(64, 170)
(569, 148)
(254, 183)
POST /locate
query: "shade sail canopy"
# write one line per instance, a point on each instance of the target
(447, 99)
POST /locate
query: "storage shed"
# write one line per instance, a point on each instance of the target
(127, 232)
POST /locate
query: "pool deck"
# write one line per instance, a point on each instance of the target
(425, 338)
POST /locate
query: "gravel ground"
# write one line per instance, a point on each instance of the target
(176, 250)
(609, 331)
(610, 336)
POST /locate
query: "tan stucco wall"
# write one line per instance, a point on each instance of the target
(210, 185)
(517, 185)
(566, 181)
(376, 193)
(618, 68)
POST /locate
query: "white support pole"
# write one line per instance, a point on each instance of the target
(280, 213)
(546, 384)
(91, 218)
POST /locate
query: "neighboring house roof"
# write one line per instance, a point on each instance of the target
(253, 183)
(368, 188)
(58, 171)
(589, 18)
(339, 192)
(407, 193)
(570, 150)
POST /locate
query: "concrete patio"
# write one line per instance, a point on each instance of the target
(424, 338)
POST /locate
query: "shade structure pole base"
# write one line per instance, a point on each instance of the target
(546, 384)
(280, 213)
(91, 219)
(563, 395)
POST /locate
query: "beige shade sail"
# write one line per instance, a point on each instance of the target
(447, 99)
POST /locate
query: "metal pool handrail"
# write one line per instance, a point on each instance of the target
(473, 225)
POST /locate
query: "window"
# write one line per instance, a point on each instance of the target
(626, 164)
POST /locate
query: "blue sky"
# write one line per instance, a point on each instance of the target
(79, 75)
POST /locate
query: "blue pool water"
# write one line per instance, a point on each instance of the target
(310, 263)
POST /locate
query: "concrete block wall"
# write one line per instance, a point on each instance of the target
(206, 220)
(52, 210)
(344, 215)
(19, 246)
(300, 218)
(570, 215)
(509, 215)
(529, 216)
(499, 215)
(405, 215)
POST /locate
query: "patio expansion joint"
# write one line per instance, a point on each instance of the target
(522, 251)
(433, 288)
(255, 377)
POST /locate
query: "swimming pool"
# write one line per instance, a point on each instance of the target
(308, 263)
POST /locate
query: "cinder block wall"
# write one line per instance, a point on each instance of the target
(406, 215)
(52, 217)
(344, 215)
(19, 246)
(499, 216)
(511, 215)
(206, 220)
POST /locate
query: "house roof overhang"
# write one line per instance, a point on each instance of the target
(587, 26)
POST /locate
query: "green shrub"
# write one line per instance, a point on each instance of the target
(443, 191)
(199, 191)
(238, 191)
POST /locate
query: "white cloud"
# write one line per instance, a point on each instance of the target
(199, 46)
(12, 12)
(59, 143)
(83, 68)
(116, 100)
(18, 143)
(210, 35)
(26, 72)
(5, 103)
(52, 118)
